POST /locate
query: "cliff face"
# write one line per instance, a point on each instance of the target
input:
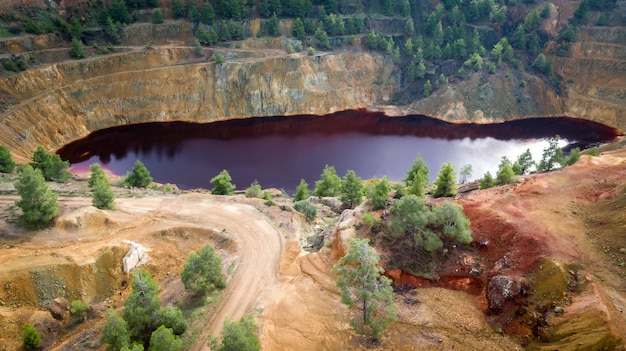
(63, 101)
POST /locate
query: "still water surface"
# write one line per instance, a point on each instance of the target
(279, 151)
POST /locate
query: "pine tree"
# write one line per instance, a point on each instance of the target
(417, 177)
(240, 336)
(39, 205)
(7, 164)
(302, 191)
(157, 17)
(446, 181)
(76, 50)
(364, 288)
(409, 220)
(51, 165)
(222, 184)
(139, 176)
(505, 171)
(487, 181)
(329, 183)
(466, 173)
(351, 189)
(380, 193)
(142, 307)
(202, 272)
(163, 339)
(298, 29)
(115, 332)
(103, 196)
(449, 218)
(178, 9)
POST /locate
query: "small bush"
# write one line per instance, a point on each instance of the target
(31, 337)
(306, 208)
(372, 221)
(254, 190)
(21, 64)
(79, 309)
(10, 66)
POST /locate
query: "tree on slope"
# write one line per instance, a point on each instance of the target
(222, 184)
(417, 177)
(351, 188)
(142, 307)
(329, 183)
(7, 164)
(51, 165)
(163, 339)
(139, 176)
(115, 332)
(365, 289)
(410, 219)
(103, 196)
(446, 181)
(451, 220)
(380, 193)
(39, 205)
(202, 272)
(302, 191)
(240, 336)
(466, 173)
(552, 155)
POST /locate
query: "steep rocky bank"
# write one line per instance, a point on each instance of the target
(64, 100)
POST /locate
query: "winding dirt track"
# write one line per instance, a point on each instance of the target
(260, 243)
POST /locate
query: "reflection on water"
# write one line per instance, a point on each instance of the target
(278, 152)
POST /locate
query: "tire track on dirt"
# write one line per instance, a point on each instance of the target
(260, 242)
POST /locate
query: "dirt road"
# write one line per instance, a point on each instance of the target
(259, 243)
(261, 247)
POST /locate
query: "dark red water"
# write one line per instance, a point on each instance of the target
(279, 151)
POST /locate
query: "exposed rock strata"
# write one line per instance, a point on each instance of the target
(64, 101)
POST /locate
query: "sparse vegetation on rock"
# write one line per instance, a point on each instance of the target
(306, 208)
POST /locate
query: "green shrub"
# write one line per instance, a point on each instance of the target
(7, 164)
(372, 221)
(222, 184)
(21, 64)
(306, 208)
(254, 190)
(30, 337)
(139, 176)
(10, 66)
(79, 309)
